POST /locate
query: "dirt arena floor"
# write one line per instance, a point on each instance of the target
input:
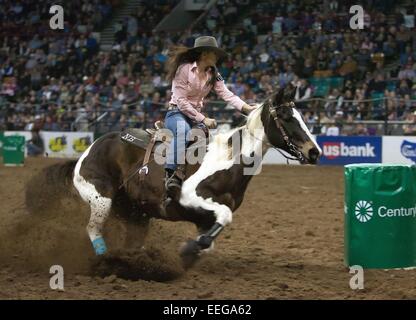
(286, 242)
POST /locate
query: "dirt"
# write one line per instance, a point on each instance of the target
(285, 242)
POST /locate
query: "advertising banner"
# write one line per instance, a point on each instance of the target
(60, 144)
(342, 150)
(272, 156)
(399, 149)
(66, 144)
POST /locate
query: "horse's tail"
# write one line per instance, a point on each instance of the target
(46, 188)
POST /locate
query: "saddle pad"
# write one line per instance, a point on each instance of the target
(138, 137)
(141, 138)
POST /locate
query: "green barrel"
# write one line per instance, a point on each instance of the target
(380, 215)
(1, 143)
(14, 150)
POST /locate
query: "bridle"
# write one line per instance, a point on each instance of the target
(294, 150)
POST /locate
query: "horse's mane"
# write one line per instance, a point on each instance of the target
(252, 120)
(255, 114)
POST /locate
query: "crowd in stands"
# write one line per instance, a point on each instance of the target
(60, 80)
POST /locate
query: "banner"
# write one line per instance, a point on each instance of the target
(342, 150)
(60, 144)
(399, 149)
(272, 156)
(66, 144)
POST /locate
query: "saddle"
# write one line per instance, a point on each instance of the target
(146, 140)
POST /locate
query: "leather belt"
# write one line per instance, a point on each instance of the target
(172, 107)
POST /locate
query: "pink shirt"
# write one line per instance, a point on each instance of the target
(188, 92)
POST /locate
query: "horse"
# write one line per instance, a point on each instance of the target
(106, 174)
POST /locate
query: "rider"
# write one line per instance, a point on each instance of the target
(193, 73)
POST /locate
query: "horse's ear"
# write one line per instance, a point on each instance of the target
(278, 98)
(290, 92)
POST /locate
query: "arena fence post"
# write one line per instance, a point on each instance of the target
(380, 215)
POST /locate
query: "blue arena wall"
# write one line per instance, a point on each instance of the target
(342, 150)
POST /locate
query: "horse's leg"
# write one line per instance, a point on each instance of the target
(222, 215)
(206, 238)
(205, 241)
(100, 210)
(100, 206)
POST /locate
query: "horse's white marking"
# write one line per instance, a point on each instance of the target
(298, 117)
(217, 159)
(100, 206)
(254, 138)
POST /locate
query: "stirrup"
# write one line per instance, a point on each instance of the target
(173, 184)
(173, 181)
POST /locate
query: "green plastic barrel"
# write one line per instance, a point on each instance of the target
(380, 215)
(1, 143)
(14, 150)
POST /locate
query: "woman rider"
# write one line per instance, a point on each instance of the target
(193, 74)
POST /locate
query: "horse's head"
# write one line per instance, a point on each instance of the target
(285, 128)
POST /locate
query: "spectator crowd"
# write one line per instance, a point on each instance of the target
(61, 80)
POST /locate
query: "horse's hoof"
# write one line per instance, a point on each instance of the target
(189, 253)
(204, 241)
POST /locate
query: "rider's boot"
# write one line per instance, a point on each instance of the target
(173, 182)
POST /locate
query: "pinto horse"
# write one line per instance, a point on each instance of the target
(212, 190)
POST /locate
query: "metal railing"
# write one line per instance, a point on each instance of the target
(325, 111)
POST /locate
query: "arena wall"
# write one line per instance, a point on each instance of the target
(337, 150)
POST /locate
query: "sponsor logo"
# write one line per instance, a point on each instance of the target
(81, 144)
(128, 137)
(333, 150)
(10, 148)
(57, 144)
(408, 150)
(385, 212)
(363, 211)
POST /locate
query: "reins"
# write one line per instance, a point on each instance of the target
(292, 147)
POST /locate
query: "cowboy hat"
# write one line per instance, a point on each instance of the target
(208, 43)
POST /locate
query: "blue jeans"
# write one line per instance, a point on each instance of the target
(33, 150)
(179, 125)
